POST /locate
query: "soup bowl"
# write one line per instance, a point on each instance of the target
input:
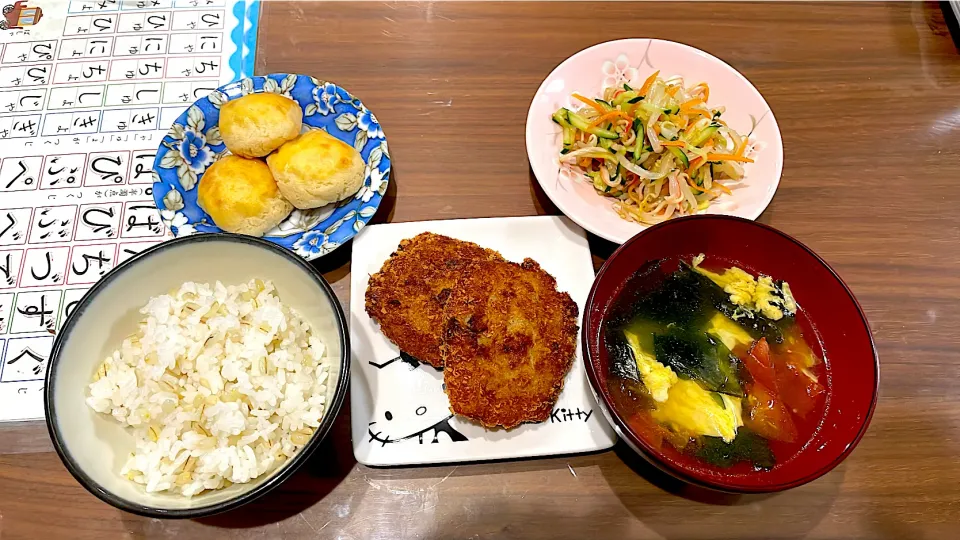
(840, 332)
(94, 446)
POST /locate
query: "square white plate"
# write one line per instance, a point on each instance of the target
(407, 403)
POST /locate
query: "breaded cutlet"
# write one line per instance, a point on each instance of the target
(509, 341)
(407, 295)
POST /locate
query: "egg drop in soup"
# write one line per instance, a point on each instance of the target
(715, 366)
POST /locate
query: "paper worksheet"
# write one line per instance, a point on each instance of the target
(88, 89)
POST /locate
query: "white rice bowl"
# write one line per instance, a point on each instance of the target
(220, 385)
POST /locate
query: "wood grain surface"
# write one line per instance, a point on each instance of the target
(868, 100)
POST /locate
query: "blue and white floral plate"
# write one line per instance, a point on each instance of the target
(194, 143)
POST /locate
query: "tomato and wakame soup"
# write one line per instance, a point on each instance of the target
(715, 363)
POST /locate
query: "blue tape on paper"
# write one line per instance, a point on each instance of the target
(236, 36)
(250, 38)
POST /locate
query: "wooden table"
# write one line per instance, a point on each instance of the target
(868, 99)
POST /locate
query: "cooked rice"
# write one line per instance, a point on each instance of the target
(219, 386)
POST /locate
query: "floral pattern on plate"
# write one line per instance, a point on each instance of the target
(631, 61)
(194, 143)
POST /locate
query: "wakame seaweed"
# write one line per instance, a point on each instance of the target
(676, 307)
(696, 356)
(747, 446)
(681, 299)
(622, 363)
(755, 325)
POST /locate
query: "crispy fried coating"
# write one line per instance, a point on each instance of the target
(509, 341)
(407, 295)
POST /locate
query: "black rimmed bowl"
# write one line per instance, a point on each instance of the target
(94, 447)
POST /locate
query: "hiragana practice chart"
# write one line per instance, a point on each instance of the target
(88, 89)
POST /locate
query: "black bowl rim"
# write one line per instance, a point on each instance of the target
(653, 457)
(286, 470)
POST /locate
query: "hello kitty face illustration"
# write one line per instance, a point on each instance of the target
(415, 416)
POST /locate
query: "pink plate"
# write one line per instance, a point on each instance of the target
(632, 61)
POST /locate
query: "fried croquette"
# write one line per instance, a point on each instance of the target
(407, 295)
(509, 341)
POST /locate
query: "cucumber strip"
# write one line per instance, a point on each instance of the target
(625, 97)
(605, 104)
(560, 117)
(581, 123)
(705, 134)
(578, 121)
(569, 132)
(680, 155)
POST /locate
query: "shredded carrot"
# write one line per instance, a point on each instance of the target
(690, 104)
(723, 187)
(743, 147)
(599, 108)
(648, 83)
(694, 185)
(728, 157)
(609, 116)
(672, 91)
(706, 92)
(695, 164)
(585, 162)
(678, 144)
(656, 128)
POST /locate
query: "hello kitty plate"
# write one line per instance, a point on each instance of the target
(400, 413)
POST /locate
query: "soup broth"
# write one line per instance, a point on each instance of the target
(712, 364)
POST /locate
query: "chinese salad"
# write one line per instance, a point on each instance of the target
(659, 150)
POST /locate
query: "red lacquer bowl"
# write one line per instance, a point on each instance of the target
(853, 369)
